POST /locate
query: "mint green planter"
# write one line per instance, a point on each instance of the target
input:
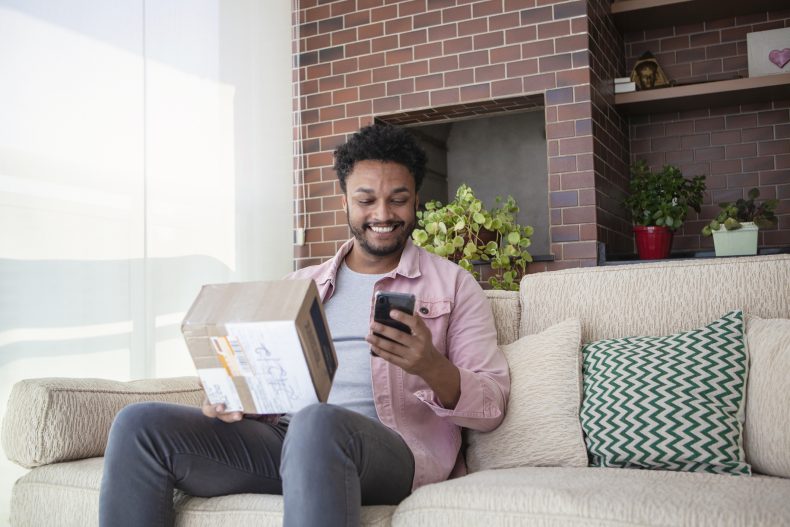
(739, 242)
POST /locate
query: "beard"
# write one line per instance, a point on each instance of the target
(404, 230)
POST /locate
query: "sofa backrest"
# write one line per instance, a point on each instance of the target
(655, 298)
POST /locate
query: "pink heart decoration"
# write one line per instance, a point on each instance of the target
(780, 58)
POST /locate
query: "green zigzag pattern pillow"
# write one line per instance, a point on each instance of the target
(669, 403)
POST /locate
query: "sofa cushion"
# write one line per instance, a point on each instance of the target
(655, 298)
(47, 422)
(541, 427)
(766, 435)
(541, 496)
(672, 403)
(67, 494)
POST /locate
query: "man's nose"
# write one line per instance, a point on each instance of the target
(383, 211)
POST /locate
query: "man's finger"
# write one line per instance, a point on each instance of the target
(401, 337)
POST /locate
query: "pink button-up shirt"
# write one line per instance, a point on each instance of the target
(455, 309)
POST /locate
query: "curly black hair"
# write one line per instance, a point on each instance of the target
(381, 142)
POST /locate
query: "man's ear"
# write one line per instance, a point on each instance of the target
(344, 202)
(416, 202)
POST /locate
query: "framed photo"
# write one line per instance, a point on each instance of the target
(768, 52)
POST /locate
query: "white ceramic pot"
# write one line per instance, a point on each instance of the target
(739, 242)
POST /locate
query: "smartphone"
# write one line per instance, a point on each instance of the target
(386, 301)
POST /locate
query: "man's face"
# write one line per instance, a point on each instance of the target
(381, 202)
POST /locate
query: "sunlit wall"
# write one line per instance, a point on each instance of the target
(145, 150)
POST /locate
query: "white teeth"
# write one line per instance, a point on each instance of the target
(382, 229)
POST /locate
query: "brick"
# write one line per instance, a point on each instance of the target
(781, 146)
(559, 130)
(400, 86)
(705, 39)
(413, 37)
(457, 45)
(355, 49)
(386, 104)
(583, 126)
(426, 51)
(399, 56)
(576, 145)
(490, 73)
(536, 15)
(773, 117)
(505, 21)
(429, 82)
(331, 113)
(725, 138)
(472, 27)
(663, 144)
(782, 161)
(707, 125)
(522, 67)
(372, 91)
(573, 111)
(690, 55)
(506, 54)
(411, 101)
(459, 78)
(758, 163)
(741, 150)
(537, 49)
(679, 156)
(386, 73)
(487, 8)
(571, 43)
(573, 78)
(445, 97)
(475, 92)
(384, 43)
(563, 199)
(414, 69)
(774, 177)
(675, 43)
(680, 128)
(559, 96)
(489, 40)
(383, 13)
(570, 9)
(454, 14)
(763, 133)
(725, 167)
(706, 67)
(554, 29)
(575, 250)
(411, 7)
(521, 34)
(745, 180)
(442, 32)
(562, 164)
(564, 233)
(506, 87)
(444, 64)
(709, 154)
(430, 19)
(577, 180)
(554, 63)
(582, 214)
(474, 58)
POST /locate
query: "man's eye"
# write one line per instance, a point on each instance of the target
(399, 201)
(365, 201)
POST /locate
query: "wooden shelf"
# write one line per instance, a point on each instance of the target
(633, 15)
(703, 95)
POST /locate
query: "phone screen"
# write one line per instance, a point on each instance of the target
(385, 302)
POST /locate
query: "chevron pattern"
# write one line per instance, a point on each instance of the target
(670, 403)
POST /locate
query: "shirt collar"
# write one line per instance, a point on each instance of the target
(408, 266)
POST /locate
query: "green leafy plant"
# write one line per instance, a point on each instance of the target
(743, 210)
(662, 198)
(466, 232)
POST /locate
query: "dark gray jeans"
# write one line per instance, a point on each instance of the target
(326, 463)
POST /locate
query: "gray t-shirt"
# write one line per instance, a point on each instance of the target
(348, 315)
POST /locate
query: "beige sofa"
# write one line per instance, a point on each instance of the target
(58, 427)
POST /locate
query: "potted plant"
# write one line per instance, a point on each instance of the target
(735, 229)
(465, 232)
(659, 202)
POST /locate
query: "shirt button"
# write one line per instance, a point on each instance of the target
(424, 310)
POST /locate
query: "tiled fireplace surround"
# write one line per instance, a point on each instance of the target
(430, 60)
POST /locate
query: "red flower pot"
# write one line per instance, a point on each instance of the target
(653, 243)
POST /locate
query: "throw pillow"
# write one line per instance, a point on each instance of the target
(766, 434)
(541, 427)
(671, 403)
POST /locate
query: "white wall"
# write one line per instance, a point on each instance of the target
(145, 149)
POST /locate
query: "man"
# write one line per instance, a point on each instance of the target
(394, 417)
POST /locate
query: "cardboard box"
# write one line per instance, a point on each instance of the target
(768, 52)
(261, 347)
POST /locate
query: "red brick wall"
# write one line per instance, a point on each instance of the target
(362, 59)
(736, 147)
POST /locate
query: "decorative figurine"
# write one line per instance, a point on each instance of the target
(647, 73)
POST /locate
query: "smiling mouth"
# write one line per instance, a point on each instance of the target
(383, 229)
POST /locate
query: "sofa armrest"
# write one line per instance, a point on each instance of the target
(59, 419)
